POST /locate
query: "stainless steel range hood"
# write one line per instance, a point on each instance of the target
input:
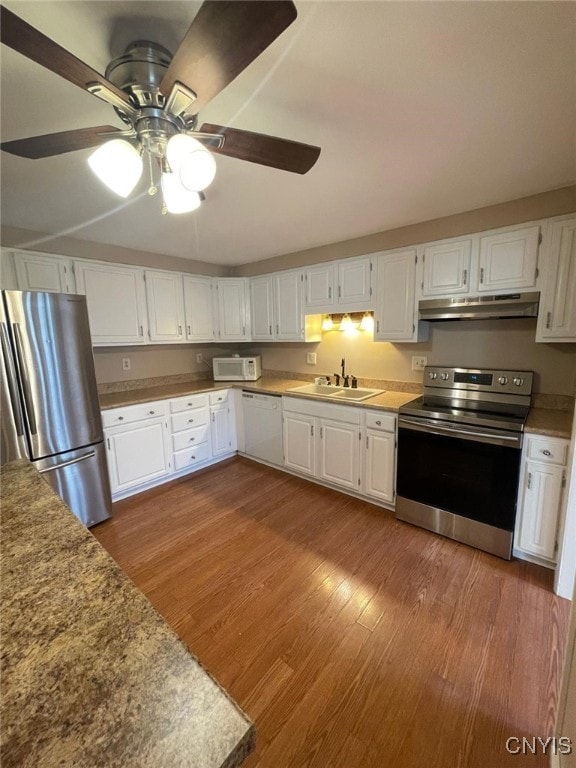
(479, 307)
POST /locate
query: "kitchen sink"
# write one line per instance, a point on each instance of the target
(326, 390)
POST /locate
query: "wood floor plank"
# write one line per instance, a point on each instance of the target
(353, 640)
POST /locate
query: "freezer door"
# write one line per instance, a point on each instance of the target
(54, 362)
(80, 478)
(13, 440)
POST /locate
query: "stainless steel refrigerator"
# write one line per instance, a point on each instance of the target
(49, 409)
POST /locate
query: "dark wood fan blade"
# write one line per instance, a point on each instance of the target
(25, 39)
(59, 143)
(222, 40)
(265, 150)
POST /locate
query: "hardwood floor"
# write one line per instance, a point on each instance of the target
(351, 639)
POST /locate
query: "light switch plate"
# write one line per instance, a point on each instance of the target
(311, 358)
(419, 363)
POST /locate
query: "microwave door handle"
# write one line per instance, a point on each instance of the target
(11, 380)
(436, 429)
(26, 389)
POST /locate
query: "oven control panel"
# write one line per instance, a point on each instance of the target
(479, 380)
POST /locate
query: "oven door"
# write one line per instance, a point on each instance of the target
(469, 471)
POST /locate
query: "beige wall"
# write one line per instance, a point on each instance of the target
(507, 344)
(12, 237)
(540, 206)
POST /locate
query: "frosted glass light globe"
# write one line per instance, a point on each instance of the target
(192, 161)
(118, 165)
(177, 198)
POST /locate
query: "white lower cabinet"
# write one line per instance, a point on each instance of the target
(380, 456)
(340, 453)
(137, 445)
(300, 443)
(149, 443)
(539, 500)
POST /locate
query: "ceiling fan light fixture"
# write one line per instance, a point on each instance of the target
(192, 161)
(177, 198)
(117, 164)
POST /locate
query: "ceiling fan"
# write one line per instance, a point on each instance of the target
(159, 95)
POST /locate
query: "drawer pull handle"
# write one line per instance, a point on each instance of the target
(529, 480)
(190, 421)
(189, 404)
(120, 418)
(379, 423)
(192, 439)
(151, 413)
(193, 457)
(546, 452)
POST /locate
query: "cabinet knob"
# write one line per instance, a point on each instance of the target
(120, 418)
(192, 439)
(151, 413)
(379, 423)
(190, 421)
(188, 404)
(192, 457)
(546, 452)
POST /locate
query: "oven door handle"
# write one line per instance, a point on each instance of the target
(435, 429)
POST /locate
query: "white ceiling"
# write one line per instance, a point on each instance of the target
(421, 109)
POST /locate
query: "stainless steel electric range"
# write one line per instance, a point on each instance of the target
(459, 448)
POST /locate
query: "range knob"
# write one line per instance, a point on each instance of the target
(518, 381)
(503, 380)
(432, 375)
(444, 376)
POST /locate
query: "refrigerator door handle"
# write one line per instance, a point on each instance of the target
(68, 463)
(27, 392)
(11, 380)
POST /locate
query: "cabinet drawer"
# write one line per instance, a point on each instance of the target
(190, 438)
(218, 397)
(189, 401)
(190, 456)
(189, 419)
(131, 413)
(383, 421)
(548, 450)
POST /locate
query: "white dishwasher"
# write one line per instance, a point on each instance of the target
(263, 427)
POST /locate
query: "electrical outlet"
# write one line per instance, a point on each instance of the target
(311, 358)
(199, 357)
(125, 363)
(419, 363)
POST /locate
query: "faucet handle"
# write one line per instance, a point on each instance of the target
(337, 377)
(346, 382)
(354, 382)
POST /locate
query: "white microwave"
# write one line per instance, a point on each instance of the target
(237, 368)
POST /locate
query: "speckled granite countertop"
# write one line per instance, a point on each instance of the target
(546, 421)
(389, 400)
(91, 674)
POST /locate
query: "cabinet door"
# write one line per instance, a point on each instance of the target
(289, 316)
(557, 319)
(319, 281)
(37, 272)
(354, 284)
(395, 296)
(136, 454)
(262, 308)
(198, 308)
(380, 464)
(447, 268)
(164, 294)
(232, 310)
(540, 508)
(299, 443)
(116, 299)
(220, 430)
(340, 453)
(508, 260)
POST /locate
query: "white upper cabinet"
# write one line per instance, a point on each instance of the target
(339, 286)
(164, 295)
(198, 308)
(116, 298)
(320, 280)
(233, 309)
(44, 272)
(557, 315)
(508, 260)
(447, 268)
(262, 307)
(395, 307)
(289, 324)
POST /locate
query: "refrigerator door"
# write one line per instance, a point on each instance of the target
(53, 357)
(80, 478)
(12, 435)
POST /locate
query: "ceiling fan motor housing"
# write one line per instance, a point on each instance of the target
(139, 72)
